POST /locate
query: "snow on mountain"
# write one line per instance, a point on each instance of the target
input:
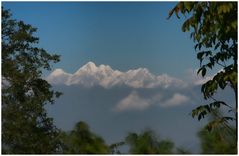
(58, 76)
(91, 75)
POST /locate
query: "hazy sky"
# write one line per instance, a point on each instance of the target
(124, 35)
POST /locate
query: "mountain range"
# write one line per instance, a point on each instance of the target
(91, 75)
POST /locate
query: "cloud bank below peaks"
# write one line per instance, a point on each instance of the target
(136, 102)
(91, 75)
(133, 102)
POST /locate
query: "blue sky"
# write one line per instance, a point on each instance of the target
(124, 35)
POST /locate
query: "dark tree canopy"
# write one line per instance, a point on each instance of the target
(82, 141)
(25, 125)
(213, 27)
(220, 140)
(148, 143)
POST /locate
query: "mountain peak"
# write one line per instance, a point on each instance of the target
(90, 63)
(90, 66)
(58, 76)
(58, 71)
(103, 75)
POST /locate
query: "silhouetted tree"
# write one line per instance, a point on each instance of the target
(82, 141)
(220, 140)
(25, 125)
(213, 27)
(148, 143)
(182, 150)
(114, 147)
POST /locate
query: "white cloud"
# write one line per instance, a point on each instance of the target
(133, 102)
(58, 76)
(177, 99)
(90, 75)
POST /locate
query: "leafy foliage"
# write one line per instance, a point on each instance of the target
(203, 110)
(181, 150)
(148, 143)
(219, 140)
(213, 27)
(82, 141)
(114, 147)
(25, 125)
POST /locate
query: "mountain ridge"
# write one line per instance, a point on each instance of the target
(90, 75)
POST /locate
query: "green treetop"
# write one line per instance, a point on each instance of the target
(26, 129)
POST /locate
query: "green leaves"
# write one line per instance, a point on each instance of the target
(213, 27)
(224, 8)
(188, 6)
(203, 70)
(147, 143)
(201, 56)
(82, 141)
(23, 112)
(209, 88)
(218, 137)
(203, 110)
(114, 147)
(215, 123)
(221, 79)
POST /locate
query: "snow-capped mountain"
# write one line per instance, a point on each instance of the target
(58, 76)
(91, 75)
